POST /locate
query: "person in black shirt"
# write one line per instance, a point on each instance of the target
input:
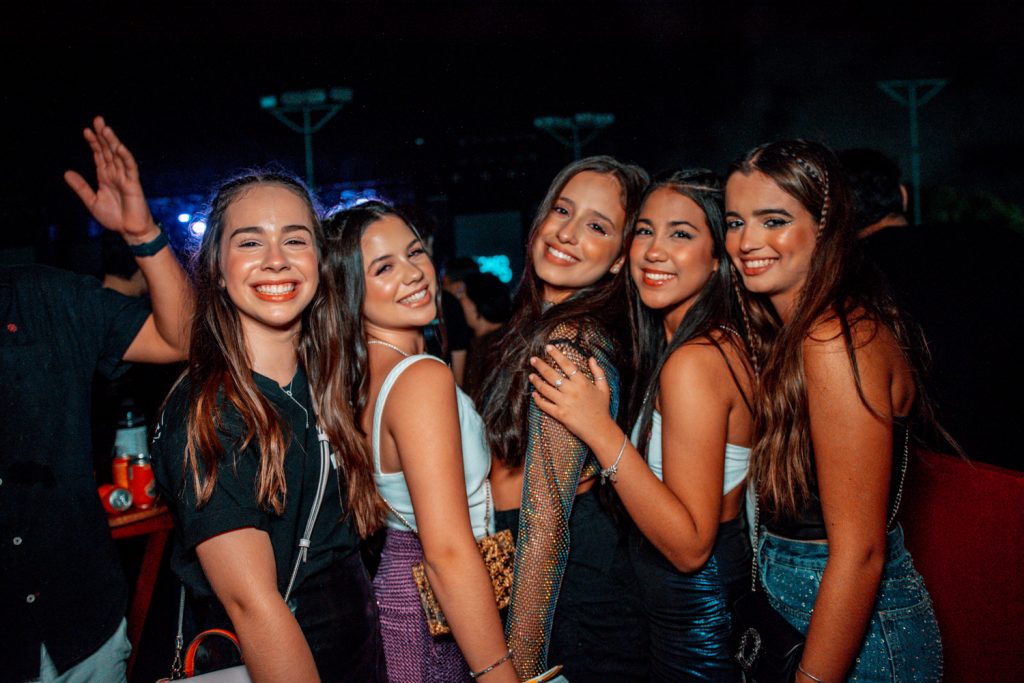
(237, 454)
(63, 594)
(956, 281)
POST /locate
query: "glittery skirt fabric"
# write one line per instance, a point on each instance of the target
(688, 612)
(902, 641)
(412, 654)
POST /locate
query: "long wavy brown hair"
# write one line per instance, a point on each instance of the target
(840, 285)
(503, 398)
(219, 374)
(344, 232)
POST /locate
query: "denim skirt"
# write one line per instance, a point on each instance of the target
(902, 640)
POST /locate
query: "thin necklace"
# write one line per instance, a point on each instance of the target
(387, 344)
(288, 390)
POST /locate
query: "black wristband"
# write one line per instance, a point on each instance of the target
(151, 247)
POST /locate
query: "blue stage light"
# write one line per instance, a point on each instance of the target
(184, 217)
(198, 228)
(498, 265)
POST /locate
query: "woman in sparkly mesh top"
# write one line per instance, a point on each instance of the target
(574, 598)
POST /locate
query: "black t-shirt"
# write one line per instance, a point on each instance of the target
(233, 503)
(959, 283)
(61, 581)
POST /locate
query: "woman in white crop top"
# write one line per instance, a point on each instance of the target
(430, 462)
(682, 482)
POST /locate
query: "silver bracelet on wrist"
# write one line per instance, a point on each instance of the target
(801, 669)
(612, 473)
(477, 674)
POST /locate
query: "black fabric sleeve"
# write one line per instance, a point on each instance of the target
(233, 503)
(114, 319)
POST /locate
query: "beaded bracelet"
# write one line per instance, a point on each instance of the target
(492, 667)
(612, 473)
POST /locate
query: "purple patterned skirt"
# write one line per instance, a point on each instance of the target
(412, 654)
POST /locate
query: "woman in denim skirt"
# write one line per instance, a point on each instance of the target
(838, 387)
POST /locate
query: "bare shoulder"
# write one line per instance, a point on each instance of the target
(871, 340)
(427, 375)
(695, 364)
(421, 412)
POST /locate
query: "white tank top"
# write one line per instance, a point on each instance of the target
(737, 458)
(476, 460)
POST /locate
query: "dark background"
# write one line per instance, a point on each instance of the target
(689, 84)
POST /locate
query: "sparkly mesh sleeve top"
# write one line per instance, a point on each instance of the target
(555, 463)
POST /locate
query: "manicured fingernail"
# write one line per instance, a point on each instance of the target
(549, 347)
(533, 360)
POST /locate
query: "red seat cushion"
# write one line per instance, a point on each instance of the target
(964, 524)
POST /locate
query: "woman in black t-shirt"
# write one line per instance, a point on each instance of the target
(237, 454)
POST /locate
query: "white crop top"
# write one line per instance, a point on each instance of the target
(737, 458)
(476, 460)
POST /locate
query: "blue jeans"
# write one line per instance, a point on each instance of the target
(902, 641)
(107, 665)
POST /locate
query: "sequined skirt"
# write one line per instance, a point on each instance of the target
(902, 641)
(412, 655)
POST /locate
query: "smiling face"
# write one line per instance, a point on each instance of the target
(400, 280)
(268, 259)
(770, 238)
(580, 240)
(670, 259)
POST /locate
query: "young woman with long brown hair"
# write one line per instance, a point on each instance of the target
(838, 387)
(430, 461)
(681, 479)
(237, 455)
(574, 598)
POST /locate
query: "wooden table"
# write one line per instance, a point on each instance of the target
(156, 523)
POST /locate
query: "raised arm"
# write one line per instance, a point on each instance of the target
(240, 568)
(118, 204)
(551, 476)
(422, 417)
(853, 455)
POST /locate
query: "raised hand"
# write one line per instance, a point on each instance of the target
(568, 395)
(118, 203)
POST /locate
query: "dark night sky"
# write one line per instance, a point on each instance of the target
(689, 83)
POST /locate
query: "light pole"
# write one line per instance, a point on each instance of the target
(912, 101)
(306, 102)
(581, 124)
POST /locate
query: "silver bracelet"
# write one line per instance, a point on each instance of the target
(492, 667)
(801, 669)
(612, 473)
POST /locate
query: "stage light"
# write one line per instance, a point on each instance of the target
(184, 217)
(198, 228)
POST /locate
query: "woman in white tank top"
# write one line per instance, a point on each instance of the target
(430, 461)
(682, 481)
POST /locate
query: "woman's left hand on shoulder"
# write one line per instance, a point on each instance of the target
(568, 394)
